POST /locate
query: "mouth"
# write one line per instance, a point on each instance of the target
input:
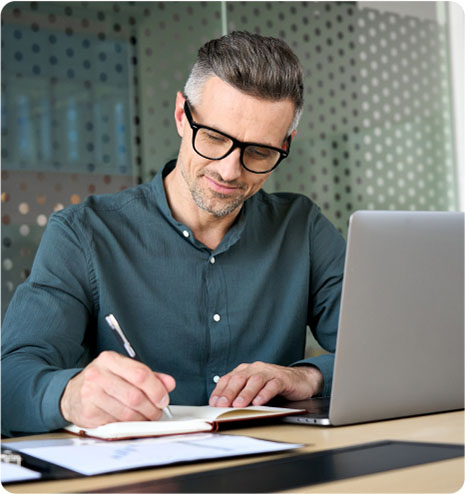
(221, 188)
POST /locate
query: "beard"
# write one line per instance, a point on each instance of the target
(215, 203)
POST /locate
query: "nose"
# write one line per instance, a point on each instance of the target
(230, 167)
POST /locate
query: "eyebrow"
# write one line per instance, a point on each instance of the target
(191, 108)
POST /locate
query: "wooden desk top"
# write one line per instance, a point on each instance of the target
(444, 476)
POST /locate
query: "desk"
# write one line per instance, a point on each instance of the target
(444, 476)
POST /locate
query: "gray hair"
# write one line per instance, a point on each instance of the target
(261, 66)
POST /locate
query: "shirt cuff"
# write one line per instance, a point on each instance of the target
(50, 406)
(325, 363)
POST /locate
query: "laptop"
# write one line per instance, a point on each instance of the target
(400, 344)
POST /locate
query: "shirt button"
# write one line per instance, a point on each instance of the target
(185, 233)
(216, 379)
(216, 318)
(212, 260)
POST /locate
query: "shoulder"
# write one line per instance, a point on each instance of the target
(284, 203)
(296, 212)
(125, 202)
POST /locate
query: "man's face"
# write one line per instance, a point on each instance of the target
(221, 186)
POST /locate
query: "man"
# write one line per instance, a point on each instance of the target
(213, 280)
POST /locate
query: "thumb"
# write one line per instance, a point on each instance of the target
(168, 381)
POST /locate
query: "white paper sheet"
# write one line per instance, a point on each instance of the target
(95, 457)
(10, 472)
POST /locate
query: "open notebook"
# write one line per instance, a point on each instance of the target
(186, 419)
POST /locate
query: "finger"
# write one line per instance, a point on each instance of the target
(114, 410)
(253, 387)
(217, 392)
(130, 401)
(270, 390)
(89, 412)
(168, 381)
(219, 389)
(137, 374)
(235, 384)
(224, 382)
(94, 417)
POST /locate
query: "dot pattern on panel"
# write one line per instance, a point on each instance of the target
(88, 91)
(65, 87)
(324, 162)
(406, 137)
(376, 129)
(31, 198)
(177, 28)
(67, 124)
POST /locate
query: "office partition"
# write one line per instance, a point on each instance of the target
(88, 94)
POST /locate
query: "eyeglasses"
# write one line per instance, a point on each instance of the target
(215, 145)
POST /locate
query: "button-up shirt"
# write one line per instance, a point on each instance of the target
(188, 311)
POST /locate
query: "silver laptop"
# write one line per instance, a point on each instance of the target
(400, 345)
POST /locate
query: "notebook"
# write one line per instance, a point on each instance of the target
(400, 346)
(185, 419)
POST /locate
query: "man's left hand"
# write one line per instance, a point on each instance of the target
(257, 383)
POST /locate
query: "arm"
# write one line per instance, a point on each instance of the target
(327, 255)
(47, 379)
(258, 382)
(43, 332)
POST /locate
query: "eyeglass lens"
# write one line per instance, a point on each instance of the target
(214, 145)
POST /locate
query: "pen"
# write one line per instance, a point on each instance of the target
(114, 325)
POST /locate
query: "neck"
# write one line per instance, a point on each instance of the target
(206, 227)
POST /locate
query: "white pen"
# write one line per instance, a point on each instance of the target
(125, 343)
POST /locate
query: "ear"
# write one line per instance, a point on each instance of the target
(179, 113)
(294, 132)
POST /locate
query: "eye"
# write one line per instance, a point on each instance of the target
(260, 153)
(215, 138)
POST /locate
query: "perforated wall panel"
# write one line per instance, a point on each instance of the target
(88, 91)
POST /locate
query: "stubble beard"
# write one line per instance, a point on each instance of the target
(200, 196)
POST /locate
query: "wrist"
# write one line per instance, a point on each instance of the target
(65, 408)
(314, 378)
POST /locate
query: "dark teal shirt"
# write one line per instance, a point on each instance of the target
(188, 311)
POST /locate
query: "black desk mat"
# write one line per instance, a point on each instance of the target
(302, 470)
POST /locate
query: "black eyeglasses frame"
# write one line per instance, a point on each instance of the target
(235, 143)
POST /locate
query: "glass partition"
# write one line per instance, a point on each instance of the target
(88, 92)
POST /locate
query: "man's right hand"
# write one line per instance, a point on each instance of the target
(115, 388)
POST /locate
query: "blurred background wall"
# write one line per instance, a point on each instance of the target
(88, 89)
